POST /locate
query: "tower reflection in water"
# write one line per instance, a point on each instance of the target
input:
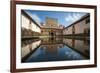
(54, 49)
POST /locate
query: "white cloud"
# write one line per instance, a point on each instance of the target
(72, 17)
(36, 18)
(69, 18)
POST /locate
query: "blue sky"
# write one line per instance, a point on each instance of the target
(64, 18)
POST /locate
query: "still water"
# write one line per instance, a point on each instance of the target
(54, 49)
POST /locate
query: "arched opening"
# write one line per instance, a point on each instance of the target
(51, 33)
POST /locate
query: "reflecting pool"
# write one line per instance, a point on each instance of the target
(54, 49)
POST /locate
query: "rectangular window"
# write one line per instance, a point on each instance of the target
(30, 22)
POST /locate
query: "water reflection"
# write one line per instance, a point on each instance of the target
(54, 49)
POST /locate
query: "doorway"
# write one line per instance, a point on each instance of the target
(51, 34)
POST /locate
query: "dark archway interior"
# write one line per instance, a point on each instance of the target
(51, 34)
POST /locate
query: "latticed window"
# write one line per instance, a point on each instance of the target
(30, 22)
(87, 20)
(73, 30)
(87, 30)
(30, 25)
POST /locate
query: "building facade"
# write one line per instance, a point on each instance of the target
(78, 28)
(51, 28)
(29, 27)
